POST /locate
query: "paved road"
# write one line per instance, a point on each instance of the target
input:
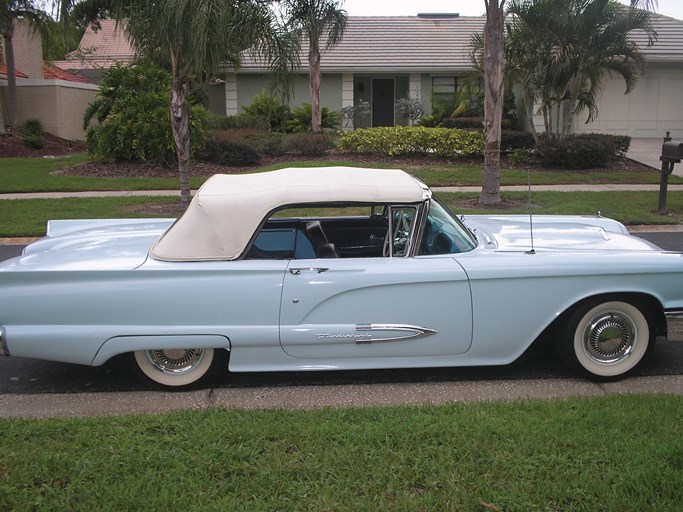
(26, 376)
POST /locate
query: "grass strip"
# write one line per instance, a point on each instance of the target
(631, 208)
(28, 217)
(21, 175)
(620, 453)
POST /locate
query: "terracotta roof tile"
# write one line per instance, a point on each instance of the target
(55, 73)
(17, 73)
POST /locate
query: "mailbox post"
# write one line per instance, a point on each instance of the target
(672, 152)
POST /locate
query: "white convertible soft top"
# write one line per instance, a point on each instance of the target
(227, 209)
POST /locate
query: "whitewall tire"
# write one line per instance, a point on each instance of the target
(606, 340)
(176, 368)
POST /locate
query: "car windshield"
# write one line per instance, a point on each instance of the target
(444, 233)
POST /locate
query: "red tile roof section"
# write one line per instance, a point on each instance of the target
(3, 72)
(55, 73)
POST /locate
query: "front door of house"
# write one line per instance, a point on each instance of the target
(382, 102)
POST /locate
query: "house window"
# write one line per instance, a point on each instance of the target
(444, 89)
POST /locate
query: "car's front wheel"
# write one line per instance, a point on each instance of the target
(177, 368)
(605, 340)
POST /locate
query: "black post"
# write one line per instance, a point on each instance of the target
(667, 168)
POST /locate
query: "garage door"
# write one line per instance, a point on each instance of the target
(649, 111)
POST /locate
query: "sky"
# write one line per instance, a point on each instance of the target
(672, 8)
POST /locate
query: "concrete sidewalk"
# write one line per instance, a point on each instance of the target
(313, 397)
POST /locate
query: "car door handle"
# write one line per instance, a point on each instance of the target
(317, 270)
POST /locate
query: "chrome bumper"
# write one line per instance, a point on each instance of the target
(674, 325)
(3, 342)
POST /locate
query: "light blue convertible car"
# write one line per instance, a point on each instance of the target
(336, 268)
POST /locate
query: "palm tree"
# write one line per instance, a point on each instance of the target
(595, 42)
(528, 53)
(10, 10)
(194, 38)
(560, 50)
(494, 90)
(323, 23)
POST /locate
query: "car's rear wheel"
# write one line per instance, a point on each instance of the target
(604, 340)
(177, 368)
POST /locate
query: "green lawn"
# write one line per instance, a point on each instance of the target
(41, 175)
(631, 208)
(28, 217)
(621, 454)
(18, 175)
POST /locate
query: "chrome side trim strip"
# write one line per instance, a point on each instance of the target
(674, 325)
(411, 332)
(3, 342)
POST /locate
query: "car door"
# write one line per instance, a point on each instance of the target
(375, 308)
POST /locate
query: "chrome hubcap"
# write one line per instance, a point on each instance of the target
(175, 361)
(610, 338)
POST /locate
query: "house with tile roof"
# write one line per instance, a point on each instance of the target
(379, 60)
(45, 92)
(99, 50)
(382, 59)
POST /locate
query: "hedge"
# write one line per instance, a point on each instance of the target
(413, 140)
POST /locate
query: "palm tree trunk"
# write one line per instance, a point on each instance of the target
(8, 35)
(546, 120)
(529, 109)
(568, 105)
(2, 121)
(180, 122)
(494, 69)
(314, 76)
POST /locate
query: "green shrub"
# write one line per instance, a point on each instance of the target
(412, 140)
(463, 123)
(269, 110)
(409, 108)
(519, 156)
(228, 153)
(579, 151)
(621, 143)
(238, 121)
(263, 142)
(300, 120)
(309, 144)
(513, 139)
(429, 121)
(32, 127)
(474, 123)
(33, 141)
(132, 109)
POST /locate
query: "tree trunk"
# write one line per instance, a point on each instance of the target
(180, 122)
(314, 77)
(546, 120)
(494, 69)
(568, 105)
(8, 35)
(529, 109)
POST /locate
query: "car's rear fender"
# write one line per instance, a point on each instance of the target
(123, 344)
